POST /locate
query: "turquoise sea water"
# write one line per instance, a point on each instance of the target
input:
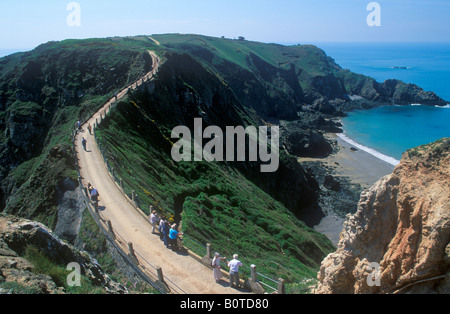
(387, 132)
(391, 130)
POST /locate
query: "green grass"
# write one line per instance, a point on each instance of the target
(221, 206)
(306, 57)
(58, 273)
(59, 72)
(18, 288)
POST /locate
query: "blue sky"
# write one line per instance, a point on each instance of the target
(26, 24)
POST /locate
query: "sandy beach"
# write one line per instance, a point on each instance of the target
(355, 165)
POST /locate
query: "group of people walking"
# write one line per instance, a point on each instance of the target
(169, 235)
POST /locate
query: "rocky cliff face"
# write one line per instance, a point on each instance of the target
(402, 224)
(185, 89)
(43, 93)
(16, 235)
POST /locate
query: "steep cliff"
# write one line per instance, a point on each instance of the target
(231, 204)
(43, 93)
(402, 224)
(34, 260)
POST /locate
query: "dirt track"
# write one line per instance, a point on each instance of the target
(188, 274)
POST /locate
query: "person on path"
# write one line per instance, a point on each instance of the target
(173, 236)
(234, 265)
(94, 195)
(84, 142)
(90, 129)
(153, 219)
(162, 222)
(165, 231)
(216, 266)
(90, 188)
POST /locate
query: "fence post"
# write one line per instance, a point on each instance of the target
(253, 272)
(133, 198)
(132, 255)
(281, 287)
(110, 229)
(130, 248)
(160, 273)
(208, 250)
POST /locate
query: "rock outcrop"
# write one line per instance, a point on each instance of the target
(16, 235)
(398, 240)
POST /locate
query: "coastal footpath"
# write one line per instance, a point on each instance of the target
(398, 240)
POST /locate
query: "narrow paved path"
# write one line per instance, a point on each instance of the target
(189, 275)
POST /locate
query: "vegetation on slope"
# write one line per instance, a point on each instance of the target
(42, 94)
(216, 202)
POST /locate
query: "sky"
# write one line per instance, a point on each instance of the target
(25, 24)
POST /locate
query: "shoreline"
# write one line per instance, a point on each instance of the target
(377, 154)
(350, 163)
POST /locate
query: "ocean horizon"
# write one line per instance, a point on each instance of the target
(387, 132)
(7, 52)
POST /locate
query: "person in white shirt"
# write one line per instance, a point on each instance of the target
(153, 219)
(234, 265)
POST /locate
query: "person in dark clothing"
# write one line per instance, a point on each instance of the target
(94, 195)
(165, 231)
(84, 142)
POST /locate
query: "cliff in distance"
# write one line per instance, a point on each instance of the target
(402, 224)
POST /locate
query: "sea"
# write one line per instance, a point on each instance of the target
(387, 132)
(6, 52)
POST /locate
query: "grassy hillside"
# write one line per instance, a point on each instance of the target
(42, 94)
(215, 201)
(271, 78)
